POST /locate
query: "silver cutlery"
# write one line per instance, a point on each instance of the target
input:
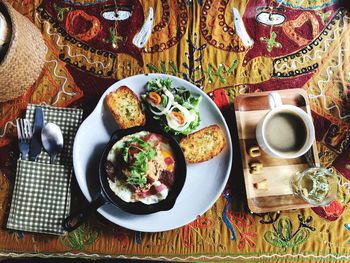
(24, 133)
(35, 143)
(52, 139)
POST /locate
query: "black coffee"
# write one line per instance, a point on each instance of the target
(285, 132)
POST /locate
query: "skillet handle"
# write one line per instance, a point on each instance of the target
(76, 219)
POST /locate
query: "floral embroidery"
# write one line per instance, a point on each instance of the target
(88, 32)
(227, 222)
(247, 238)
(242, 221)
(269, 218)
(194, 56)
(271, 42)
(216, 30)
(186, 234)
(79, 238)
(193, 69)
(282, 235)
(207, 65)
(115, 39)
(289, 28)
(324, 16)
(330, 212)
(60, 11)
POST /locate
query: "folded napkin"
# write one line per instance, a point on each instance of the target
(68, 119)
(41, 196)
(39, 201)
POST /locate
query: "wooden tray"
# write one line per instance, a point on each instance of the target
(249, 109)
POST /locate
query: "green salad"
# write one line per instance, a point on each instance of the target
(176, 108)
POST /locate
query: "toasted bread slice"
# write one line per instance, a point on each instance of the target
(125, 108)
(204, 144)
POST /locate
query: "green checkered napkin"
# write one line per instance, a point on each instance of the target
(41, 196)
(68, 119)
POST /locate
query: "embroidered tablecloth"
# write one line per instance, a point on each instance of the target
(226, 48)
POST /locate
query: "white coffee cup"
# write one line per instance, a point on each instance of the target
(273, 144)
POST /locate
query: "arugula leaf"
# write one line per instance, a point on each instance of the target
(125, 154)
(157, 84)
(151, 154)
(139, 167)
(164, 100)
(136, 178)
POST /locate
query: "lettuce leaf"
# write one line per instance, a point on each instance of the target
(182, 96)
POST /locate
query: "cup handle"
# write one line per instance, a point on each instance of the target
(274, 100)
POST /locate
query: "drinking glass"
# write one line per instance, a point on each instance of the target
(316, 185)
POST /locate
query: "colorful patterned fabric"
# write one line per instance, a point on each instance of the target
(225, 48)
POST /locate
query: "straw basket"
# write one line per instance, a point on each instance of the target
(24, 58)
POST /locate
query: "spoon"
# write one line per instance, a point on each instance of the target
(52, 140)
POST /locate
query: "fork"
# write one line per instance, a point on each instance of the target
(24, 133)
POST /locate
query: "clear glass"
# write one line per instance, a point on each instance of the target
(317, 186)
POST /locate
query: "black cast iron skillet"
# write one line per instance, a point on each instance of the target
(107, 196)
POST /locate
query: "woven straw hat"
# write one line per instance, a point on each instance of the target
(24, 58)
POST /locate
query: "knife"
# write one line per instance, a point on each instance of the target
(35, 143)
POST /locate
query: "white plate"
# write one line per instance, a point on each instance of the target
(204, 182)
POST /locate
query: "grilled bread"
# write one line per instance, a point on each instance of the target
(125, 108)
(204, 144)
